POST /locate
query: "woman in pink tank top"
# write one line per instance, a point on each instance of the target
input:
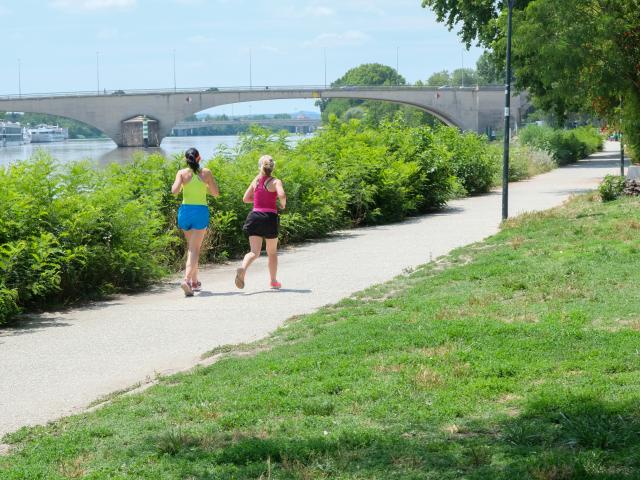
(263, 221)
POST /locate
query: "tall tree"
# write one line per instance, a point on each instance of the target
(571, 55)
(439, 79)
(490, 72)
(371, 111)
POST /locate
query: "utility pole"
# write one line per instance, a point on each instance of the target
(98, 70)
(325, 67)
(250, 71)
(621, 143)
(507, 116)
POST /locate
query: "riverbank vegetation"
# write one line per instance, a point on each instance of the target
(512, 358)
(71, 232)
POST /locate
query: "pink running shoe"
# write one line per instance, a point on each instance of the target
(276, 285)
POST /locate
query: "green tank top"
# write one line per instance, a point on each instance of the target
(194, 192)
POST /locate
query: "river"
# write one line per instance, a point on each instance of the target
(104, 151)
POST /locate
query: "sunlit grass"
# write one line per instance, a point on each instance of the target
(514, 358)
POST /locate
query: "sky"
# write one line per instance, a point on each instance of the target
(70, 45)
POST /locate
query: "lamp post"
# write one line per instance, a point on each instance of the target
(19, 79)
(621, 143)
(175, 85)
(325, 67)
(98, 70)
(250, 71)
(507, 116)
(397, 65)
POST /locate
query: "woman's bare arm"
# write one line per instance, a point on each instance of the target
(248, 195)
(282, 196)
(177, 184)
(212, 186)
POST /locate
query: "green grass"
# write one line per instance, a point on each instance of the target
(514, 358)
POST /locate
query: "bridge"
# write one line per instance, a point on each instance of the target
(299, 124)
(118, 113)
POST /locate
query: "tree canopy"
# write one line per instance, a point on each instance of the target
(571, 55)
(372, 112)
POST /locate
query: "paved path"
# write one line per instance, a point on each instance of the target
(58, 363)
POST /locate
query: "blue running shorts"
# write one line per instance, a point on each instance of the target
(193, 217)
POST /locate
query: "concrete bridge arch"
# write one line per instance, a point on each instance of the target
(466, 108)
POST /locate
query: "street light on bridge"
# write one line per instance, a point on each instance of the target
(507, 116)
(98, 70)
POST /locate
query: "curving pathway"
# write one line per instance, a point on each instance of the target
(58, 363)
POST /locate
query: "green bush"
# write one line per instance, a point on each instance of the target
(73, 231)
(524, 162)
(68, 232)
(565, 146)
(611, 187)
(473, 164)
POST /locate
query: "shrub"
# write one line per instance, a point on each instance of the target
(565, 146)
(524, 162)
(72, 231)
(473, 164)
(68, 232)
(611, 187)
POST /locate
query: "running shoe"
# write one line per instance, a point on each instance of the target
(276, 285)
(186, 288)
(240, 278)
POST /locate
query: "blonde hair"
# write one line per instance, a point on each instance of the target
(266, 164)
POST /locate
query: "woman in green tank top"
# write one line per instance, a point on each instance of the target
(193, 215)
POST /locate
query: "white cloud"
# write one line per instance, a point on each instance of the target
(92, 4)
(348, 38)
(319, 11)
(363, 7)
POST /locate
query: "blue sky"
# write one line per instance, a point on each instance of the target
(57, 40)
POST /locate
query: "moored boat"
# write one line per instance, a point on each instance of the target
(48, 133)
(11, 133)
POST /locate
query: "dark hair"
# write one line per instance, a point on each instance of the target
(192, 156)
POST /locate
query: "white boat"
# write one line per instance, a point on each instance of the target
(48, 134)
(11, 134)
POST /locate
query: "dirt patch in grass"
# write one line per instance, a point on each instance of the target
(74, 468)
(428, 378)
(438, 351)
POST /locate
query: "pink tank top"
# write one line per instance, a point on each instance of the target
(263, 199)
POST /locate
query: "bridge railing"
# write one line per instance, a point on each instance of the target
(198, 90)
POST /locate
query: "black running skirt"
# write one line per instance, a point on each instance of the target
(262, 224)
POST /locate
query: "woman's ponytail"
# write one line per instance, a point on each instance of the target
(193, 159)
(266, 165)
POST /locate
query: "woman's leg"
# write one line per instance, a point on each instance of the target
(187, 235)
(256, 246)
(255, 243)
(272, 252)
(195, 243)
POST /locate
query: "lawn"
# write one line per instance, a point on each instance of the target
(514, 358)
